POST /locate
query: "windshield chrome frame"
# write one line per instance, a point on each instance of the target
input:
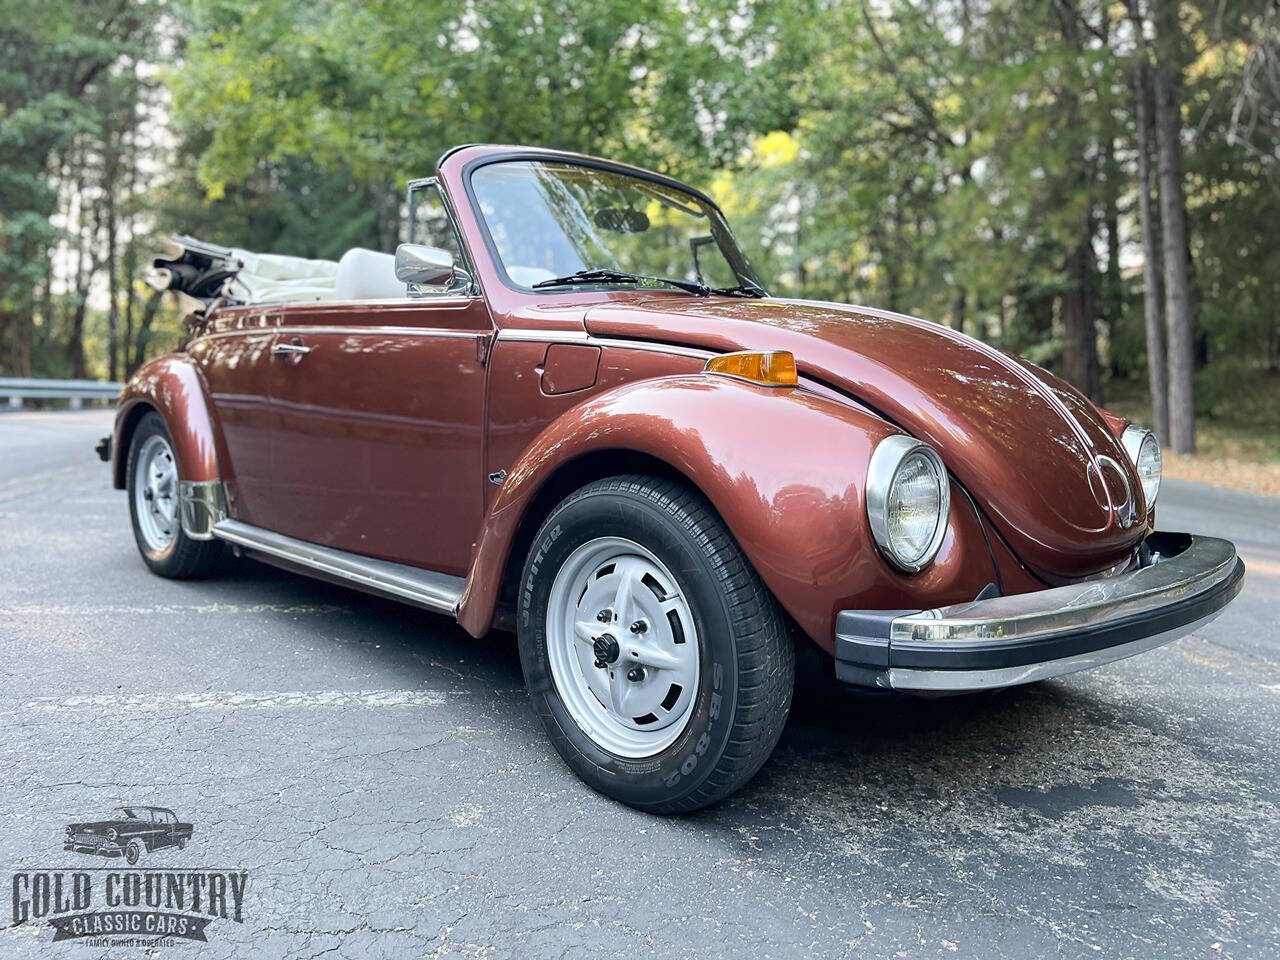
(622, 169)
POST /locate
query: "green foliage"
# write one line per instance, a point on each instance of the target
(970, 161)
(69, 91)
(383, 88)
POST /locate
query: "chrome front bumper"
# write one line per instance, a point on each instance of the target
(104, 849)
(1003, 641)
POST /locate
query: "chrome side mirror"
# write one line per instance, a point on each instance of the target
(419, 265)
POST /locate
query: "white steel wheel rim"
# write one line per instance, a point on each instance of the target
(155, 493)
(638, 704)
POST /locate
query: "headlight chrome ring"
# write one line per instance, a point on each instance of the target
(1143, 449)
(898, 460)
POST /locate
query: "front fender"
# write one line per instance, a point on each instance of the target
(785, 469)
(173, 386)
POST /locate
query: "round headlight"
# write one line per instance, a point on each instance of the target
(111, 833)
(908, 498)
(1144, 450)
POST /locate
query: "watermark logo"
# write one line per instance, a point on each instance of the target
(130, 903)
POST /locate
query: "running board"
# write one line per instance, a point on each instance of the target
(426, 588)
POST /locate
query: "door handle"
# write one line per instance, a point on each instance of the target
(294, 350)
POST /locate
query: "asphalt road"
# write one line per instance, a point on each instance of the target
(380, 777)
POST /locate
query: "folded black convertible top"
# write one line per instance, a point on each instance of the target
(201, 270)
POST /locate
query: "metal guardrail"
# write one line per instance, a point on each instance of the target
(18, 389)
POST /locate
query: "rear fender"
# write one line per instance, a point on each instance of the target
(783, 467)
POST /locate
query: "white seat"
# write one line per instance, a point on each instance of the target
(272, 278)
(367, 275)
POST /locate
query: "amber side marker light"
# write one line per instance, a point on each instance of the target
(772, 368)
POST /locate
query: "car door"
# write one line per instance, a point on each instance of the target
(234, 357)
(378, 421)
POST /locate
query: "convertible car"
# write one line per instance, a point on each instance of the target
(569, 407)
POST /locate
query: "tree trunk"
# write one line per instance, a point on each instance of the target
(1113, 288)
(1080, 332)
(1173, 216)
(1080, 335)
(75, 345)
(130, 298)
(113, 299)
(1152, 275)
(144, 328)
(46, 308)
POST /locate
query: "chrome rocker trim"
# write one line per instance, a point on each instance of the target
(425, 588)
(202, 504)
(1003, 641)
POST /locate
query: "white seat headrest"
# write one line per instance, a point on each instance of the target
(368, 275)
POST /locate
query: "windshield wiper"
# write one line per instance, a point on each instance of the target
(745, 289)
(621, 276)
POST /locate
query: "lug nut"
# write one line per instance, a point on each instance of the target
(635, 674)
(639, 627)
(604, 616)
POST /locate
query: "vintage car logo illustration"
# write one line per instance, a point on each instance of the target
(114, 904)
(129, 832)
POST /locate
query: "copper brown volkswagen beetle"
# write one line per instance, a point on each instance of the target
(568, 406)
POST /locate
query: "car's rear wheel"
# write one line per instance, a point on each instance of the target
(656, 659)
(155, 506)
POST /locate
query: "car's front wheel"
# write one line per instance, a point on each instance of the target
(133, 852)
(656, 659)
(155, 506)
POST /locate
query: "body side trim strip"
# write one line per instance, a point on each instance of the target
(581, 336)
(383, 331)
(427, 588)
(371, 330)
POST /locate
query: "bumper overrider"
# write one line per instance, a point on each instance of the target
(1004, 641)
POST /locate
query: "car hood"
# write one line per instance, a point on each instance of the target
(1036, 454)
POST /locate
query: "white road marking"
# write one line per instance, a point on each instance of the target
(237, 700)
(95, 610)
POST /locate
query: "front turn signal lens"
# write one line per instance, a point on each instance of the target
(773, 368)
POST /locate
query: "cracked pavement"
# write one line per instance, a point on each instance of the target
(381, 777)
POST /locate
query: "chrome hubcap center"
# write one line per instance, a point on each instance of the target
(606, 650)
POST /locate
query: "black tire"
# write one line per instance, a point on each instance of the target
(746, 652)
(184, 557)
(133, 852)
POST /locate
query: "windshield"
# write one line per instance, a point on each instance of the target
(551, 220)
(128, 813)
